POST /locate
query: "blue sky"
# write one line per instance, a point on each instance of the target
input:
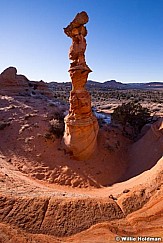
(124, 42)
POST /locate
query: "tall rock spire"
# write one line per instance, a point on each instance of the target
(81, 126)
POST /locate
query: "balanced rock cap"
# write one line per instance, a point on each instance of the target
(79, 20)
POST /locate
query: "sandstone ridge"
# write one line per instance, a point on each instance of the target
(12, 83)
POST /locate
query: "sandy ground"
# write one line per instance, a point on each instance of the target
(26, 145)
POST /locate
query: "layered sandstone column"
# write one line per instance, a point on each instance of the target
(81, 126)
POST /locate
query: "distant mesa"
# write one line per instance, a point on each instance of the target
(113, 84)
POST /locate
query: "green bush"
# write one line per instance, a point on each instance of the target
(131, 115)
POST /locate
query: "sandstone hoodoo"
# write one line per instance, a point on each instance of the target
(81, 126)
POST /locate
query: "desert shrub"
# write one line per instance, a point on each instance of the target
(132, 116)
(56, 127)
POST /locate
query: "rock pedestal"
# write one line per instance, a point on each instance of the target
(81, 126)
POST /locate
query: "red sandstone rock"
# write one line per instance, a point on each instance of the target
(9, 74)
(41, 88)
(81, 126)
(11, 83)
